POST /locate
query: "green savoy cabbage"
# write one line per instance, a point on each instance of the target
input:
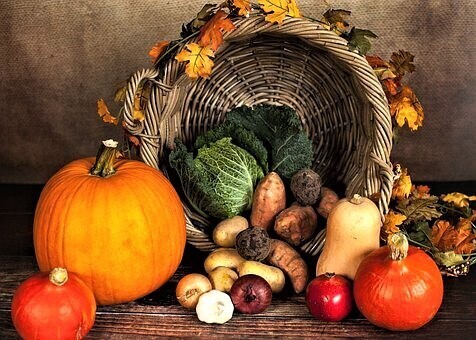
(220, 180)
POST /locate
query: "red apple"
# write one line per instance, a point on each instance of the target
(329, 297)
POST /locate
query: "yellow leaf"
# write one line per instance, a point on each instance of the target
(392, 221)
(243, 6)
(402, 186)
(278, 9)
(406, 107)
(198, 57)
(212, 33)
(458, 199)
(104, 113)
(157, 50)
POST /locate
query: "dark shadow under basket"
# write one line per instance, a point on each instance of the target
(335, 92)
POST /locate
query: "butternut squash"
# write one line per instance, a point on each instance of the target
(353, 231)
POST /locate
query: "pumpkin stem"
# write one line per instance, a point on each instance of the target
(398, 244)
(356, 199)
(58, 276)
(104, 165)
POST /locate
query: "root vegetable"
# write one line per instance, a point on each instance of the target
(189, 289)
(225, 232)
(253, 244)
(222, 278)
(214, 307)
(274, 276)
(223, 257)
(306, 186)
(327, 201)
(285, 257)
(268, 200)
(296, 224)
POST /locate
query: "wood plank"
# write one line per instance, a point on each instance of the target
(160, 315)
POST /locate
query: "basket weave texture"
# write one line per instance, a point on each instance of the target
(299, 63)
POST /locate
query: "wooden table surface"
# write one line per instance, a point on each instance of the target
(159, 315)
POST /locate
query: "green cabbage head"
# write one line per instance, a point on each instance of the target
(220, 180)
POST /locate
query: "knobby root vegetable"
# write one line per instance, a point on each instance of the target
(189, 289)
(224, 234)
(223, 257)
(222, 278)
(283, 256)
(274, 276)
(306, 186)
(296, 224)
(327, 201)
(214, 307)
(268, 200)
(253, 244)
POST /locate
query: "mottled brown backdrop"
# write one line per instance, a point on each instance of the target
(57, 57)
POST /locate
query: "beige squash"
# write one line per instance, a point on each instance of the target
(353, 231)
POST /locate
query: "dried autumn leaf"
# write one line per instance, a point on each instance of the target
(211, 34)
(419, 209)
(391, 86)
(376, 62)
(459, 239)
(402, 186)
(420, 191)
(157, 50)
(243, 6)
(104, 113)
(458, 199)
(392, 221)
(201, 19)
(277, 10)
(337, 19)
(358, 40)
(198, 58)
(448, 259)
(443, 235)
(406, 107)
(402, 62)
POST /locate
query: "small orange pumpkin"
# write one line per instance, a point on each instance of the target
(119, 225)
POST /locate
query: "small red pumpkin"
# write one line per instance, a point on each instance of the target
(55, 305)
(398, 287)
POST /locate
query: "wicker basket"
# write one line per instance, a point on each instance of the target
(334, 91)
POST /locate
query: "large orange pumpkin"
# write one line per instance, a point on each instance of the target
(119, 226)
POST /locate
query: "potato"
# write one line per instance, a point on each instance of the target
(224, 234)
(327, 201)
(223, 257)
(222, 278)
(274, 276)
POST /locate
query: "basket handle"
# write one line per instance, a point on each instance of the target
(133, 84)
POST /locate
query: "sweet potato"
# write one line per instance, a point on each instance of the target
(327, 201)
(285, 257)
(268, 200)
(296, 224)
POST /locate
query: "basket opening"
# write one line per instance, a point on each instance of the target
(286, 70)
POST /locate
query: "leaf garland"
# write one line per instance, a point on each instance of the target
(443, 226)
(278, 10)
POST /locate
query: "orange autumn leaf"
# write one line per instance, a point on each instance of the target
(458, 199)
(420, 191)
(459, 239)
(277, 10)
(406, 108)
(211, 34)
(391, 86)
(243, 6)
(402, 186)
(198, 58)
(392, 221)
(104, 113)
(157, 50)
